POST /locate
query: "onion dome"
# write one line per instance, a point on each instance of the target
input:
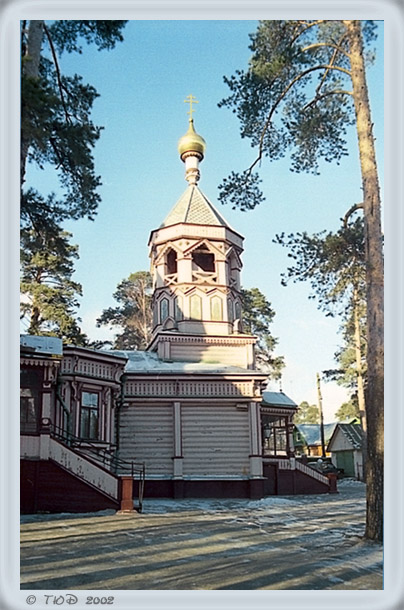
(191, 142)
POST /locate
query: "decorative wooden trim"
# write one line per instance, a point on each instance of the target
(215, 340)
(184, 389)
(275, 410)
(89, 368)
(39, 362)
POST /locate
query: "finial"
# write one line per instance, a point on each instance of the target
(191, 147)
(190, 99)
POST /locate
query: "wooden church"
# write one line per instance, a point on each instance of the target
(188, 417)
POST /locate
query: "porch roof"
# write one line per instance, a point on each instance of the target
(277, 399)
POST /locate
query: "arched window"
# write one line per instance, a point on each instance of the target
(178, 309)
(163, 310)
(237, 310)
(203, 260)
(230, 311)
(171, 260)
(196, 307)
(216, 308)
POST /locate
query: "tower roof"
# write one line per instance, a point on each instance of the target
(193, 207)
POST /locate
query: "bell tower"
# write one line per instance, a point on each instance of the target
(196, 263)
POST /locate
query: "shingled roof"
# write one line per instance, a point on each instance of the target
(193, 207)
(352, 432)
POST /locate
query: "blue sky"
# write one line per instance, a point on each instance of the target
(142, 85)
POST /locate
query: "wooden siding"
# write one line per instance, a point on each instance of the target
(146, 435)
(216, 441)
(236, 356)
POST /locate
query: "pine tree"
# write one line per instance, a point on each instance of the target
(56, 133)
(348, 410)
(133, 316)
(307, 414)
(56, 128)
(258, 315)
(49, 295)
(305, 86)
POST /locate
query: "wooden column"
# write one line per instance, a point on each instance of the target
(178, 457)
(255, 440)
(126, 494)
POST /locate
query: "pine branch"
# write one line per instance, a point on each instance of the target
(58, 76)
(279, 100)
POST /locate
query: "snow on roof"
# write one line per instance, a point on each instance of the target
(312, 432)
(42, 344)
(352, 432)
(149, 362)
(277, 399)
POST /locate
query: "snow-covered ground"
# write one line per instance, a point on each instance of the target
(291, 542)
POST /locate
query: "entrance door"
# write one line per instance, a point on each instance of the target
(345, 460)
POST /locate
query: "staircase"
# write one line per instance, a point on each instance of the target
(288, 477)
(72, 475)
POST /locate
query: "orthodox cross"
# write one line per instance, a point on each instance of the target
(191, 100)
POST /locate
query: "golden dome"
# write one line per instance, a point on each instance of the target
(191, 142)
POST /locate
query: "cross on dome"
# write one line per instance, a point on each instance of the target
(191, 146)
(190, 99)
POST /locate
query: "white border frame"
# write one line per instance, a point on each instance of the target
(392, 12)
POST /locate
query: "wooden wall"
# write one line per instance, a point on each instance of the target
(215, 440)
(146, 434)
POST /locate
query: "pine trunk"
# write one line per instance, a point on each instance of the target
(359, 378)
(374, 394)
(30, 69)
(358, 360)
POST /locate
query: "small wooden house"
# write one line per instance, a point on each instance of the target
(345, 446)
(307, 439)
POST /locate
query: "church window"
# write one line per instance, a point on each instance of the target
(178, 314)
(196, 307)
(203, 260)
(237, 310)
(89, 415)
(234, 271)
(163, 310)
(230, 311)
(216, 310)
(171, 260)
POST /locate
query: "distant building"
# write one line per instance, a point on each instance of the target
(307, 439)
(191, 410)
(346, 449)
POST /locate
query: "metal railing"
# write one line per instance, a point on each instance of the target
(105, 457)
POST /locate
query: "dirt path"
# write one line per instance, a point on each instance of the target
(300, 542)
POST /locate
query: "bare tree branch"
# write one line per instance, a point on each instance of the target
(356, 206)
(59, 79)
(316, 45)
(323, 95)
